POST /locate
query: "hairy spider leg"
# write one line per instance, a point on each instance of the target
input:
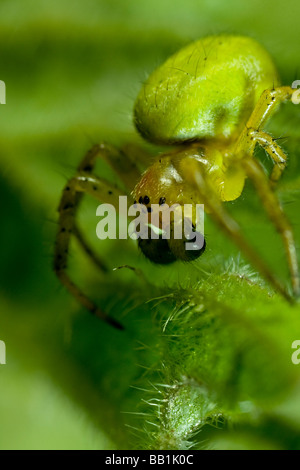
(100, 189)
(252, 135)
(95, 258)
(277, 216)
(273, 150)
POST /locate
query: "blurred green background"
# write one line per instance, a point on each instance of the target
(72, 71)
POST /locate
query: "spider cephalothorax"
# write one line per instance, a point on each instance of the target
(164, 192)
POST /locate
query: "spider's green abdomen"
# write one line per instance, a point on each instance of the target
(205, 90)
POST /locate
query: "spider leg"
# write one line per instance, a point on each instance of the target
(88, 250)
(82, 183)
(274, 151)
(137, 155)
(277, 216)
(77, 186)
(252, 133)
(265, 107)
(208, 196)
(123, 162)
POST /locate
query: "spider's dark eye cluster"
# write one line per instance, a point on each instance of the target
(143, 200)
(146, 200)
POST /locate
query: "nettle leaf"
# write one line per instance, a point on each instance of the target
(225, 361)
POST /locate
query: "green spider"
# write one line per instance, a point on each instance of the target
(209, 102)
